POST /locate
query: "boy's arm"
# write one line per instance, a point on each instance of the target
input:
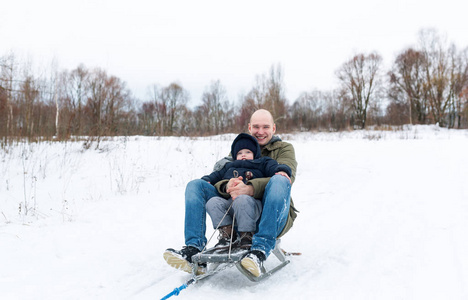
(216, 176)
(272, 167)
(286, 156)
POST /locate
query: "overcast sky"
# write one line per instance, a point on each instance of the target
(196, 42)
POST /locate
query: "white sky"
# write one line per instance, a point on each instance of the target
(195, 42)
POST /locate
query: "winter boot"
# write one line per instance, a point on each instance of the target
(253, 262)
(224, 238)
(245, 240)
(182, 259)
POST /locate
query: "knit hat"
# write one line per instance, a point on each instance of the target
(245, 141)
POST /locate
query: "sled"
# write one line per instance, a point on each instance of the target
(217, 261)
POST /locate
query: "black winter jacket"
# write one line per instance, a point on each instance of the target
(248, 169)
(259, 167)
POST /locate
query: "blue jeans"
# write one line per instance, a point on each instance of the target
(197, 193)
(275, 202)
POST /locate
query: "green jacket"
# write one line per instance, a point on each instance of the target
(283, 153)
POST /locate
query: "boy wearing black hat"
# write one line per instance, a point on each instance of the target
(248, 164)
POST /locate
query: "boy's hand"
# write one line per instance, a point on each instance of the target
(233, 182)
(236, 187)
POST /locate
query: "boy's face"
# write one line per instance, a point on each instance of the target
(245, 154)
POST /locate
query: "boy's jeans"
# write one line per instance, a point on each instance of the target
(245, 211)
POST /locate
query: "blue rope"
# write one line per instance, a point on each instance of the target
(176, 291)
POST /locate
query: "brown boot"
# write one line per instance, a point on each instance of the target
(224, 238)
(246, 240)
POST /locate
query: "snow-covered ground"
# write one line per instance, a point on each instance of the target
(384, 215)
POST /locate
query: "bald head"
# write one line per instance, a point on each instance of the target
(262, 114)
(262, 126)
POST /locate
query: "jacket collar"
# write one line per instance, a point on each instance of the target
(271, 144)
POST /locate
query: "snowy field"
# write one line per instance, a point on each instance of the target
(384, 215)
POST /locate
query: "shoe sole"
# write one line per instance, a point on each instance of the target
(250, 265)
(177, 262)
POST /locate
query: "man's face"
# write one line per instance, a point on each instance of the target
(261, 127)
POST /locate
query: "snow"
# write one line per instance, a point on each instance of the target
(383, 215)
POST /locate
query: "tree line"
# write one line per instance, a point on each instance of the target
(426, 84)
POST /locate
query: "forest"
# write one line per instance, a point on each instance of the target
(425, 84)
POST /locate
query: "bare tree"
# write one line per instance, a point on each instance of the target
(28, 95)
(307, 111)
(54, 91)
(215, 108)
(8, 66)
(155, 111)
(117, 100)
(78, 90)
(339, 110)
(95, 102)
(170, 102)
(458, 84)
(275, 99)
(407, 82)
(437, 69)
(146, 116)
(360, 79)
(464, 108)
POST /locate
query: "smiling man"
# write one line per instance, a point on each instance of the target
(278, 212)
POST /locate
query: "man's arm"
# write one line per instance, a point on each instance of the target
(256, 186)
(221, 163)
(221, 186)
(287, 156)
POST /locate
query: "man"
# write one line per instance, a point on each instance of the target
(278, 211)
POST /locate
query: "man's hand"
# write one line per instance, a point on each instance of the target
(236, 187)
(233, 182)
(283, 174)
